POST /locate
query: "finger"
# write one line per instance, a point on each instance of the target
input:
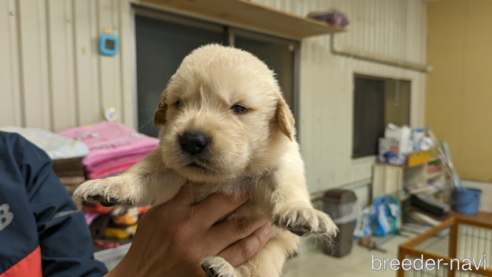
(229, 232)
(217, 206)
(240, 252)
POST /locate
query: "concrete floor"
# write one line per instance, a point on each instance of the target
(314, 263)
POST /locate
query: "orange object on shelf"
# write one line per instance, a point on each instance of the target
(418, 158)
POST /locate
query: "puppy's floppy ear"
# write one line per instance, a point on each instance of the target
(160, 114)
(285, 119)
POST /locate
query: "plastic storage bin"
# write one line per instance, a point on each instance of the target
(342, 206)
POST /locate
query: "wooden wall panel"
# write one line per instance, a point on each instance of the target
(109, 82)
(459, 90)
(61, 56)
(127, 35)
(10, 93)
(476, 150)
(34, 63)
(86, 65)
(52, 74)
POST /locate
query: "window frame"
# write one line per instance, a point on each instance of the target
(378, 78)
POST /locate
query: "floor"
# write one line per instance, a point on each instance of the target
(311, 262)
(358, 263)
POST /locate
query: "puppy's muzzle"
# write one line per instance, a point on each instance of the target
(193, 143)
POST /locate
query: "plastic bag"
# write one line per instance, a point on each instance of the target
(380, 219)
(386, 217)
(400, 134)
(363, 224)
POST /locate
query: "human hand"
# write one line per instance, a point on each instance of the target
(172, 239)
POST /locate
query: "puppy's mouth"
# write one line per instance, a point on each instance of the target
(200, 167)
(195, 165)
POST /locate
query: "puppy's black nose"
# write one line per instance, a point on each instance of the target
(193, 143)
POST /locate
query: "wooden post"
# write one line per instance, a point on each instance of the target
(453, 244)
(401, 256)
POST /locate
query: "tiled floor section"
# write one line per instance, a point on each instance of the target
(356, 264)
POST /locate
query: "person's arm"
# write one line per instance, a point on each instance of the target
(64, 238)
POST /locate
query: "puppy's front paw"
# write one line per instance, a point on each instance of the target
(109, 192)
(303, 221)
(217, 266)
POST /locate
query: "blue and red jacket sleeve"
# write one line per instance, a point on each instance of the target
(41, 232)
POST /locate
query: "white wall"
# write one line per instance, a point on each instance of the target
(52, 77)
(51, 74)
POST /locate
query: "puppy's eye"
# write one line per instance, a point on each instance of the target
(178, 104)
(239, 109)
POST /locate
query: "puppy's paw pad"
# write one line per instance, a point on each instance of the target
(108, 192)
(305, 221)
(218, 267)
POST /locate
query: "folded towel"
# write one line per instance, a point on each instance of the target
(56, 146)
(111, 170)
(97, 164)
(108, 141)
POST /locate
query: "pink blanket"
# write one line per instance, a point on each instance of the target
(108, 141)
(113, 168)
(133, 157)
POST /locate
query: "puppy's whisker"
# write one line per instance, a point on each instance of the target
(146, 123)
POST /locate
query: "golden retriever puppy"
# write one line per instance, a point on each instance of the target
(226, 128)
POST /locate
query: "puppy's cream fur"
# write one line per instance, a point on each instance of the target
(255, 152)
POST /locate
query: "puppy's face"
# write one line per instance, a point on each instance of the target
(220, 114)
